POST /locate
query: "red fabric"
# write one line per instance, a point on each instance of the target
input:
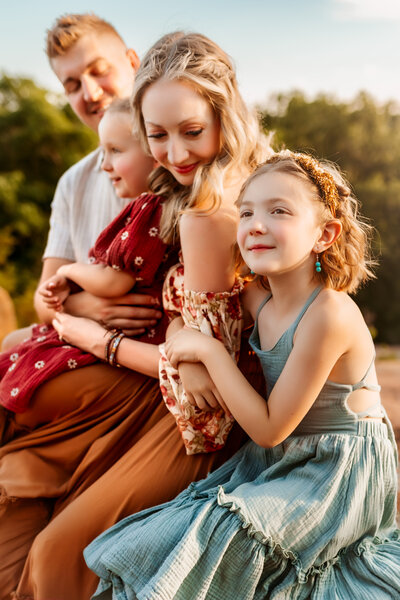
(130, 243)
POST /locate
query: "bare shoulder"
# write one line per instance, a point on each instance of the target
(210, 235)
(221, 222)
(335, 313)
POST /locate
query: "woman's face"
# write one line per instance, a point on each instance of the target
(182, 130)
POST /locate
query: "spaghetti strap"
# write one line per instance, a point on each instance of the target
(261, 306)
(363, 384)
(309, 301)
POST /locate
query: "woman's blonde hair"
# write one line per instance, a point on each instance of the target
(197, 61)
(347, 263)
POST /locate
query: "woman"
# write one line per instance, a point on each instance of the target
(191, 116)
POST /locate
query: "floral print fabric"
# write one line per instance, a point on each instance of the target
(218, 314)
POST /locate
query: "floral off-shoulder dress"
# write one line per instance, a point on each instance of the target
(218, 314)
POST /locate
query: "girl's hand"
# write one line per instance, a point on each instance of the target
(84, 333)
(199, 387)
(187, 345)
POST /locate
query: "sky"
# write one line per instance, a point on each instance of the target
(337, 47)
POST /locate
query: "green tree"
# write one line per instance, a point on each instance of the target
(41, 138)
(363, 138)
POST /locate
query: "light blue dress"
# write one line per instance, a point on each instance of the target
(312, 518)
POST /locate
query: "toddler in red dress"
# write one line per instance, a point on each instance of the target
(128, 253)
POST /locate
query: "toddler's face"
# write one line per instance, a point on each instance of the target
(124, 159)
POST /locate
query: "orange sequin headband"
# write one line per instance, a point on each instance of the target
(321, 178)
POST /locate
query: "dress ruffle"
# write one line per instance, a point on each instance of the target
(366, 569)
(209, 534)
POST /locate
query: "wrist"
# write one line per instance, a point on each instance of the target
(111, 347)
(63, 270)
(99, 343)
(208, 349)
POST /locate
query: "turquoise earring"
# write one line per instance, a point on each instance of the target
(318, 265)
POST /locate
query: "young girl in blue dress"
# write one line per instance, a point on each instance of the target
(306, 509)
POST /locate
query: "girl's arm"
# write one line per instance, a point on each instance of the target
(323, 339)
(99, 280)
(197, 383)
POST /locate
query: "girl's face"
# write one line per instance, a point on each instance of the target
(124, 159)
(279, 224)
(182, 129)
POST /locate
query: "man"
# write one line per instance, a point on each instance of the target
(78, 427)
(94, 65)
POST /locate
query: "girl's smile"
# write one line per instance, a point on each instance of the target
(278, 225)
(182, 129)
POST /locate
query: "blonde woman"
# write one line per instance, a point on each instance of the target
(192, 118)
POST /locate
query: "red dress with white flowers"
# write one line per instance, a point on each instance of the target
(130, 243)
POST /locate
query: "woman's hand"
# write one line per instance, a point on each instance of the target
(84, 333)
(199, 387)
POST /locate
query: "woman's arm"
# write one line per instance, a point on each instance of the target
(99, 280)
(92, 337)
(207, 243)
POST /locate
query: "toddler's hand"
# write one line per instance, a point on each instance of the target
(54, 291)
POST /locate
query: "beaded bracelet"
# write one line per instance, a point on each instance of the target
(114, 333)
(112, 355)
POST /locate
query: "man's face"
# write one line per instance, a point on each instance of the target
(95, 70)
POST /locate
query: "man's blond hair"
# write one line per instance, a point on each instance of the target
(68, 29)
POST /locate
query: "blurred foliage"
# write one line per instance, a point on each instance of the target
(363, 138)
(40, 138)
